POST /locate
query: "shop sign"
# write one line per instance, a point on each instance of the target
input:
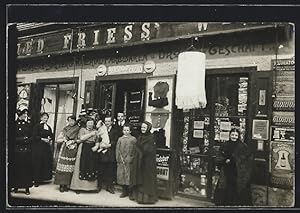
(282, 163)
(284, 64)
(125, 69)
(163, 164)
(260, 130)
(117, 35)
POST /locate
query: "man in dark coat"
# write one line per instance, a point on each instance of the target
(120, 123)
(108, 164)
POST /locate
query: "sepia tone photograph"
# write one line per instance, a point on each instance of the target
(152, 115)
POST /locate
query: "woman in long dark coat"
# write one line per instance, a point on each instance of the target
(42, 155)
(21, 174)
(144, 167)
(235, 163)
(67, 154)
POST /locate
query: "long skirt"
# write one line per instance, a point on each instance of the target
(42, 159)
(88, 169)
(21, 170)
(141, 197)
(65, 165)
(78, 184)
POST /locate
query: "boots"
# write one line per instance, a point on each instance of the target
(61, 188)
(124, 191)
(27, 192)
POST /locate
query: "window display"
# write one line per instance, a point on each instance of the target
(204, 130)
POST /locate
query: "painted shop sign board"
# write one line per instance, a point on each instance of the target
(120, 34)
(284, 64)
(282, 164)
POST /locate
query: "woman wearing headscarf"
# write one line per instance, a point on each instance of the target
(235, 164)
(85, 171)
(42, 155)
(21, 174)
(67, 154)
(144, 167)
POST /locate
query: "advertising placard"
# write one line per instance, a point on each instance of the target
(282, 164)
(260, 129)
(163, 164)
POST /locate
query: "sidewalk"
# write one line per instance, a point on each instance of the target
(50, 192)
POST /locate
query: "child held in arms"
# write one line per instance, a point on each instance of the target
(104, 144)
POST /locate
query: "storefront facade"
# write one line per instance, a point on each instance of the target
(132, 68)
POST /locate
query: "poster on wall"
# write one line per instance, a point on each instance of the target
(283, 134)
(161, 128)
(282, 164)
(159, 96)
(283, 118)
(163, 164)
(260, 130)
(159, 102)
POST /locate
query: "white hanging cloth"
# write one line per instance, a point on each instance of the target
(190, 84)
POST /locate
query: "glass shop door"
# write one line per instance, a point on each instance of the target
(59, 102)
(204, 130)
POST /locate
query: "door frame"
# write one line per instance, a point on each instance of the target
(114, 79)
(58, 81)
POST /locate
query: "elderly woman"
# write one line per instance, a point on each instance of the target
(67, 154)
(85, 171)
(42, 155)
(21, 170)
(235, 164)
(144, 167)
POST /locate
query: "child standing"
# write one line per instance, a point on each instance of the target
(125, 151)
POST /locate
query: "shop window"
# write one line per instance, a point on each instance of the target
(204, 131)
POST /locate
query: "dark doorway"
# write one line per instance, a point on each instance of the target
(127, 96)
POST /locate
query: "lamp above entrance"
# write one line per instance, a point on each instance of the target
(190, 86)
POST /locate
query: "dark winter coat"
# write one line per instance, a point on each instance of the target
(144, 165)
(42, 154)
(233, 187)
(21, 174)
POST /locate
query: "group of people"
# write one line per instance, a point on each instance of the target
(93, 154)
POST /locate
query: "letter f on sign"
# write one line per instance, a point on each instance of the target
(67, 39)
